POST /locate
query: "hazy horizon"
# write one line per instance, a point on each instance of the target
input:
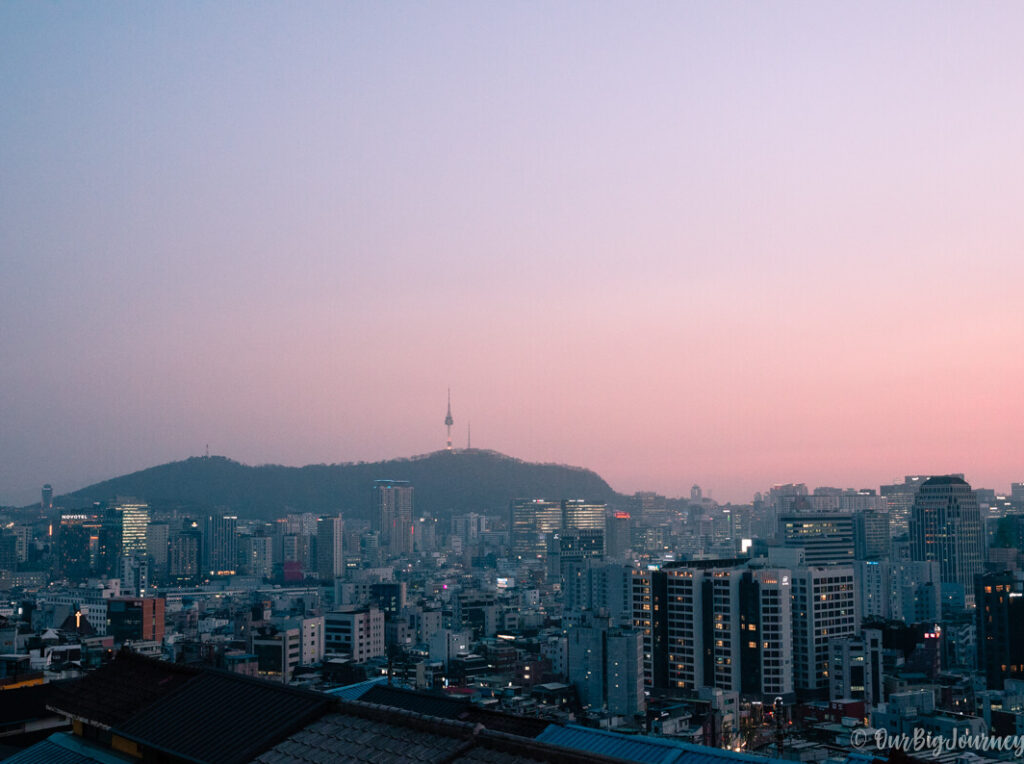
(725, 244)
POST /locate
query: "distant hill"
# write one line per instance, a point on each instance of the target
(469, 480)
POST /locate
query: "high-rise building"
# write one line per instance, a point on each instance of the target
(78, 544)
(1000, 621)
(393, 501)
(8, 552)
(47, 501)
(824, 609)
(618, 536)
(899, 498)
(650, 508)
(184, 555)
(945, 526)
(123, 534)
(220, 544)
(533, 522)
(580, 514)
(135, 520)
(258, 556)
(573, 546)
(716, 624)
(158, 536)
(871, 535)
(1017, 495)
(606, 667)
(827, 538)
(330, 548)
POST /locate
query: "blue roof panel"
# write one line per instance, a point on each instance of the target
(641, 748)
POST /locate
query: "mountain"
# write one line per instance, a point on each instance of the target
(447, 482)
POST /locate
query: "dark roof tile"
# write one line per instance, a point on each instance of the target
(114, 693)
(223, 718)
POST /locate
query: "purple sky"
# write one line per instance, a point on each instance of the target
(726, 243)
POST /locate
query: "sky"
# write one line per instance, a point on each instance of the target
(733, 244)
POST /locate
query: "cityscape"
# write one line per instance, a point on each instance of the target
(511, 383)
(784, 627)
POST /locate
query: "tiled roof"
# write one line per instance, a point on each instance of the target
(344, 738)
(444, 707)
(364, 732)
(113, 693)
(220, 717)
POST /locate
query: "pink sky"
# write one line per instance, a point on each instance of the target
(726, 244)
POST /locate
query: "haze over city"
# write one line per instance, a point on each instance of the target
(728, 244)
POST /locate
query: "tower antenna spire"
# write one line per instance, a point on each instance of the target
(469, 435)
(448, 421)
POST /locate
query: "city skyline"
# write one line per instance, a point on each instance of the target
(717, 244)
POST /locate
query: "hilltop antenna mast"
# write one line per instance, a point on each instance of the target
(469, 435)
(448, 421)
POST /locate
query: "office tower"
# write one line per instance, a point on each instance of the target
(533, 522)
(23, 533)
(8, 552)
(873, 583)
(47, 500)
(184, 555)
(650, 508)
(826, 538)
(330, 548)
(901, 591)
(1000, 623)
(855, 668)
(824, 609)
(134, 575)
(945, 526)
(469, 527)
(605, 588)
(788, 497)
(134, 521)
(158, 537)
(122, 533)
(78, 545)
(303, 524)
(871, 535)
(618, 535)
(258, 556)
(393, 501)
(606, 667)
(716, 623)
(1017, 495)
(220, 544)
(899, 498)
(577, 513)
(572, 546)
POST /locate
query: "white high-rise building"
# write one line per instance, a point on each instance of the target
(824, 609)
(716, 623)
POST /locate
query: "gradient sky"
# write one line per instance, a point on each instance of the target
(726, 243)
